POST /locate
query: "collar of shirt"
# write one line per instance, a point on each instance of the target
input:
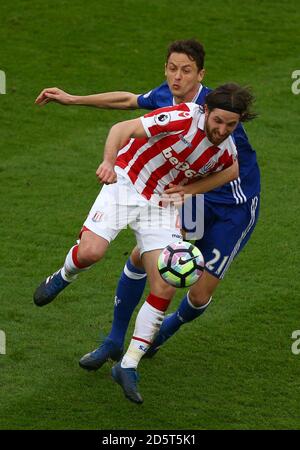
(201, 121)
(194, 99)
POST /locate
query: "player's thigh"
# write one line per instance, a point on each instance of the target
(109, 213)
(156, 228)
(227, 235)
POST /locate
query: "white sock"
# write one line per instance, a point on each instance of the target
(147, 325)
(70, 270)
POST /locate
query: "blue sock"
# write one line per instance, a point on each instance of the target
(128, 294)
(184, 314)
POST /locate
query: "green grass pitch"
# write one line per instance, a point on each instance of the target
(231, 369)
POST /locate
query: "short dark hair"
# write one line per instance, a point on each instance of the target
(190, 47)
(234, 98)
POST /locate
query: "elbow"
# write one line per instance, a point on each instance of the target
(236, 174)
(130, 101)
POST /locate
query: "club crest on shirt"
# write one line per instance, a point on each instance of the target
(162, 119)
(207, 167)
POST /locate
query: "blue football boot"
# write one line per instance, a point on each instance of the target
(49, 289)
(127, 379)
(95, 359)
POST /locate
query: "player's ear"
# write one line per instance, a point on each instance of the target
(165, 69)
(201, 74)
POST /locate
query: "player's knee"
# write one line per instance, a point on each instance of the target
(89, 254)
(199, 297)
(203, 290)
(136, 258)
(163, 290)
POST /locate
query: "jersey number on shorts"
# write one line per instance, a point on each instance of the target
(211, 264)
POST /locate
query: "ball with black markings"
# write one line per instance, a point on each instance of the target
(181, 264)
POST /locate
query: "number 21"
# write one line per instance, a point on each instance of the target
(211, 264)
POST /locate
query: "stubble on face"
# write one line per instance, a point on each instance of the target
(219, 124)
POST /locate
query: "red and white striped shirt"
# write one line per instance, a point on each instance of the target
(175, 151)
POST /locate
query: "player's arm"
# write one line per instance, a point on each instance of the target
(108, 100)
(119, 134)
(214, 180)
(203, 185)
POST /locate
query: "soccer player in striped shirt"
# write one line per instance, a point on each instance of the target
(141, 158)
(230, 211)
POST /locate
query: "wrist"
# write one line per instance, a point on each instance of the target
(74, 100)
(188, 189)
(109, 160)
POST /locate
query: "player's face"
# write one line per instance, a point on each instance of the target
(183, 77)
(219, 124)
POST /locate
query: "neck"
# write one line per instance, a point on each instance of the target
(189, 97)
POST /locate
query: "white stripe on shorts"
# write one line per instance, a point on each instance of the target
(254, 204)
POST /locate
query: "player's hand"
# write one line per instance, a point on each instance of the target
(53, 95)
(175, 194)
(106, 173)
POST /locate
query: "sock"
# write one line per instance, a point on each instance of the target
(185, 313)
(148, 322)
(128, 294)
(72, 267)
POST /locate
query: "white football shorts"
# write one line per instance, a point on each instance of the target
(119, 205)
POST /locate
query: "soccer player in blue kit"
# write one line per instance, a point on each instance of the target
(230, 211)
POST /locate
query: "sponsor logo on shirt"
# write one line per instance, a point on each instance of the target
(186, 142)
(179, 165)
(184, 114)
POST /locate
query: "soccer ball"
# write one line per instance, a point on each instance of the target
(180, 264)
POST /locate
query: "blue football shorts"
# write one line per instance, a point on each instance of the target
(227, 229)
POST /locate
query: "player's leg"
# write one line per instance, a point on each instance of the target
(227, 235)
(129, 291)
(80, 257)
(128, 294)
(155, 228)
(103, 223)
(193, 305)
(147, 324)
